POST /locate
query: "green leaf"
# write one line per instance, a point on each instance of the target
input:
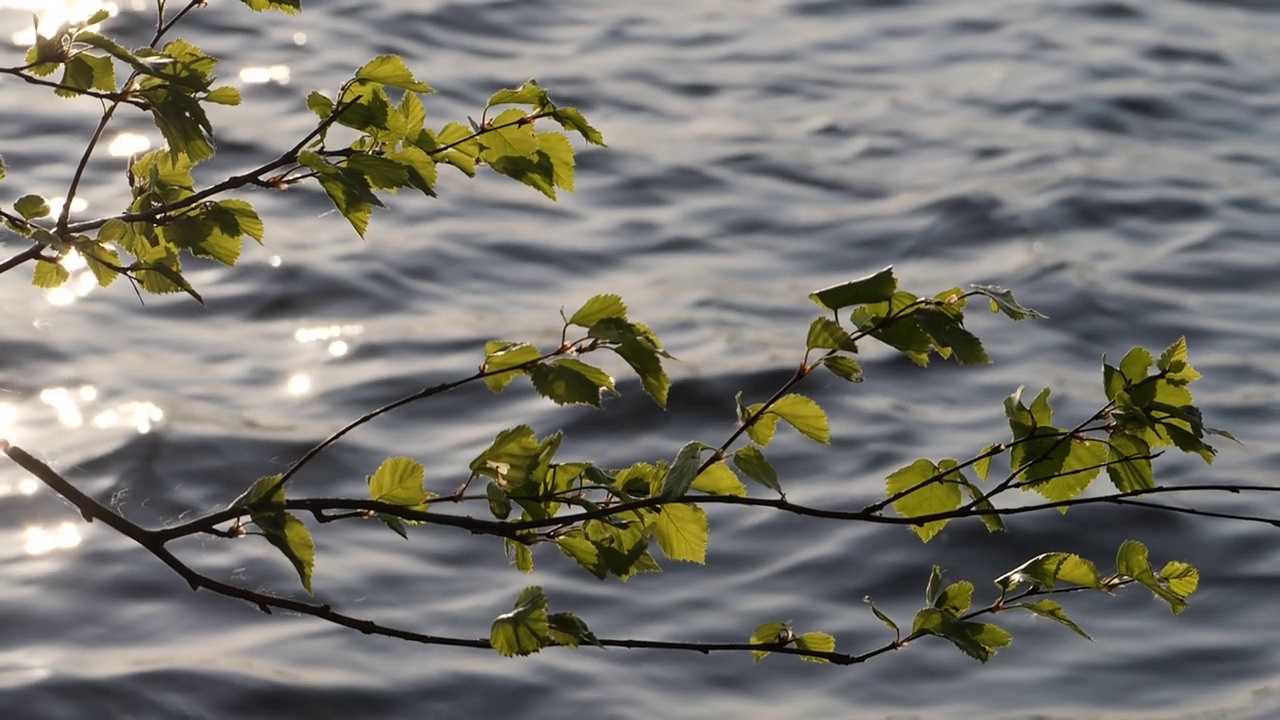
(933, 588)
(1182, 578)
(883, 618)
(520, 555)
(639, 347)
(245, 218)
(529, 93)
(1175, 366)
(49, 275)
(599, 308)
(719, 479)
(319, 104)
(572, 119)
(556, 148)
(770, 633)
(510, 136)
(292, 538)
(501, 356)
(420, 169)
(347, 189)
(939, 496)
(845, 368)
(683, 470)
(1130, 467)
(415, 115)
(804, 415)
(568, 382)
(681, 531)
(1002, 301)
(290, 7)
(399, 481)
(1067, 470)
(950, 337)
(31, 207)
(524, 630)
(871, 289)
(265, 492)
(1135, 365)
(584, 552)
(512, 460)
(815, 642)
(761, 431)
(990, 517)
(956, 598)
(977, 640)
(224, 95)
(396, 524)
(1048, 569)
(391, 70)
(569, 630)
(499, 503)
(1053, 611)
(825, 333)
(379, 172)
(983, 466)
(754, 465)
(98, 257)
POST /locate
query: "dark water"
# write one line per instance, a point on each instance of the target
(1116, 163)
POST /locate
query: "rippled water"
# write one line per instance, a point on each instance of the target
(1117, 163)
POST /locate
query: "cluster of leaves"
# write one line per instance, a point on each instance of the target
(608, 520)
(169, 216)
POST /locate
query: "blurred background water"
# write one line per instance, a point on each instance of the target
(1116, 163)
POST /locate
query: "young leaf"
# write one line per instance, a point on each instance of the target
(567, 382)
(761, 430)
(499, 503)
(754, 465)
(950, 338)
(31, 207)
(1002, 301)
(933, 588)
(319, 104)
(569, 630)
(290, 7)
(1181, 577)
(520, 555)
(399, 481)
(1175, 366)
(1053, 611)
(977, 640)
(1048, 569)
(1136, 364)
(845, 368)
(939, 496)
(598, 308)
(524, 630)
(225, 95)
(49, 275)
(770, 633)
(826, 334)
(1130, 459)
(391, 70)
(871, 289)
(683, 470)
(990, 516)
(719, 479)
(883, 618)
(815, 642)
(804, 415)
(292, 538)
(681, 531)
(571, 119)
(500, 356)
(956, 598)
(584, 552)
(529, 93)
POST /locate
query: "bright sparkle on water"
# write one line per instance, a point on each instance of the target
(38, 540)
(128, 144)
(299, 384)
(278, 74)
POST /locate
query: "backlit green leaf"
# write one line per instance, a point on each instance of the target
(31, 207)
(399, 481)
(569, 382)
(391, 70)
(1181, 577)
(500, 356)
(770, 633)
(499, 503)
(1053, 611)
(719, 479)
(681, 531)
(569, 630)
(556, 147)
(938, 496)
(571, 119)
(825, 333)
(883, 618)
(950, 337)
(225, 95)
(845, 368)
(871, 289)
(102, 261)
(525, 629)
(291, 7)
(1048, 569)
(753, 464)
(815, 642)
(1136, 364)
(1002, 301)
(598, 308)
(761, 430)
(319, 104)
(292, 538)
(529, 93)
(1174, 364)
(804, 415)
(683, 470)
(956, 598)
(1130, 467)
(49, 275)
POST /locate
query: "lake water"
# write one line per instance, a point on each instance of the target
(1116, 163)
